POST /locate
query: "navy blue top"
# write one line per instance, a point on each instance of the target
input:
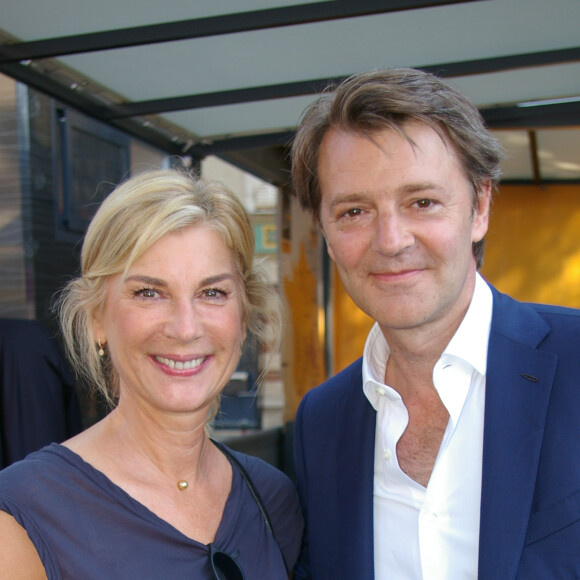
(86, 527)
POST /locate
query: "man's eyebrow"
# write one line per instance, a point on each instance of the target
(348, 198)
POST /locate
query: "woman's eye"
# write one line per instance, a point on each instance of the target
(146, 293)
(215, 293)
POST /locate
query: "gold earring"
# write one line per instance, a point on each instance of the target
(101, 350)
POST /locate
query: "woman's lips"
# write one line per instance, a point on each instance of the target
(180, 364)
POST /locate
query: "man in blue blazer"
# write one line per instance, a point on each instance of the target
(451, 450)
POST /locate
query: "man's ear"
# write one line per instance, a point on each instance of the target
(481, 211)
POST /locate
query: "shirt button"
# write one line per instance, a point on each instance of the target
(381, 392)
(387, 454)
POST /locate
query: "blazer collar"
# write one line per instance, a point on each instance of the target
(356, 477)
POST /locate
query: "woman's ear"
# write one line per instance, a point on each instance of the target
(97, 330)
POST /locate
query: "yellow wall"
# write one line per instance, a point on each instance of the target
(303, 361)
(532, 253)
(533, 244)
(350, 327)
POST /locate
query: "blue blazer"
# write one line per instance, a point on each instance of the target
(530, 504)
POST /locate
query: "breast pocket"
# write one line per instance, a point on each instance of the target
(552, 546)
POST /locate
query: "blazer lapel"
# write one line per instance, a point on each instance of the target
(355, 485)
(518, 386)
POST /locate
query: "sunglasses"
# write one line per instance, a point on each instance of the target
(223, 566)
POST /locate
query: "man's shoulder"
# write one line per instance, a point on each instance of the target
(533, 319)
(344, 382)
(340, 396)
(564, 314)
(505, 301)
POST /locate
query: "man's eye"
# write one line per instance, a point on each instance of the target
(424, 203)
(354, 212)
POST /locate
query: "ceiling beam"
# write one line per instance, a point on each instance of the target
(209, 26)
(500, 117)
(219, 146)
(271, 164)
(220, 98)
(314, 86)
(553, 115)
(82, 102)
(504, 63)
(549, 115)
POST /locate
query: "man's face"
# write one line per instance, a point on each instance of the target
(399, 223)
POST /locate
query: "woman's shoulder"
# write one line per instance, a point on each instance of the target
(47, 462)
(50, 474)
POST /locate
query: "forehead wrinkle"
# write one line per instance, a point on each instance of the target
(419, 186)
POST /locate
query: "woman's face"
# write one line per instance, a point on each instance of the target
(174, 326)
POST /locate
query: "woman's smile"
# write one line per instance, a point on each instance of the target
(183, 317)
(180, 365)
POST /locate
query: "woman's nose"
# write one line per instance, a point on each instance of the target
(184, 322)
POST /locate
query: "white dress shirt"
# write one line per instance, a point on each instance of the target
(432, 533)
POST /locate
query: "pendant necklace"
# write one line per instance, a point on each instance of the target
(183, 484)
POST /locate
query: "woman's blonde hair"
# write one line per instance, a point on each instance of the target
(138, 213)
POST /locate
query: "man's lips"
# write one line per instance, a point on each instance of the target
(396, 275)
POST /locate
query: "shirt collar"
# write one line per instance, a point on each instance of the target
(375, 356)
(469, 343)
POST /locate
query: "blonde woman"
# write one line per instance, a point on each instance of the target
(156, 321)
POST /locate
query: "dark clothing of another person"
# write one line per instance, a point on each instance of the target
(38, 403)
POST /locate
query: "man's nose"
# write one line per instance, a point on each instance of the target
(392, 234)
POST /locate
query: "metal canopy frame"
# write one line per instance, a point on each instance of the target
(29, 62)
(210, 26)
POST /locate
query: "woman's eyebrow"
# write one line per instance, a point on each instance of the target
(216, 279)
(145, 280)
